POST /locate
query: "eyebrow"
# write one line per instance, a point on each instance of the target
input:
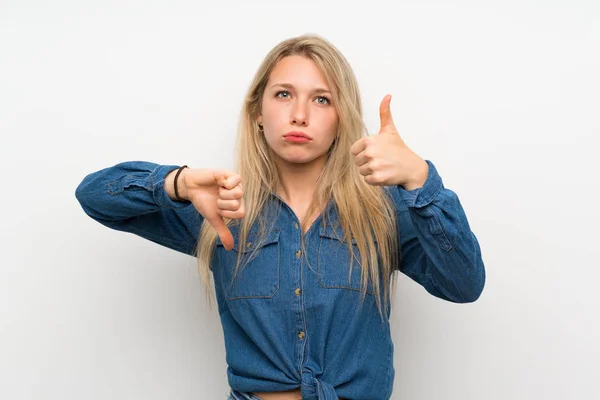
(290, 86)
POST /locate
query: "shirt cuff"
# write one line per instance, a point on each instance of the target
(424, 195)
(156, 181)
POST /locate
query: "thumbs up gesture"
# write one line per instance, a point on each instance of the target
(384, 159)
(215, 195)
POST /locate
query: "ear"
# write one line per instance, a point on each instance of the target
(259, 119)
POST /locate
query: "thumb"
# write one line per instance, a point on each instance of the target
(385, 116)
(223, 231)
(216, 221)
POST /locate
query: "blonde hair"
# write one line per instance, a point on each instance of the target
(365, 212)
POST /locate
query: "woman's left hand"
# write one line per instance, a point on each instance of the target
(385, 160)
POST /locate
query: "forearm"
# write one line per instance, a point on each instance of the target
(125, 190)
(133, 197)
(439, 250)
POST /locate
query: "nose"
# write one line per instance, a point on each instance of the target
(299, 114)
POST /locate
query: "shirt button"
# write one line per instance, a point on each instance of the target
(298, 291)
(299, 253)
(249, 244)
(296, 224)
(301, 335)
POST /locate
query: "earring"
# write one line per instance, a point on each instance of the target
(260, 128)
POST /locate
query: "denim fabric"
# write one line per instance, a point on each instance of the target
(292, 320)
(235, 395)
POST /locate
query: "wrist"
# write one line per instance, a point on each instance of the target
(169, 185)
(179, 185)
(418, 177)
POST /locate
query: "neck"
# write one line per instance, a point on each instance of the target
(298, 181)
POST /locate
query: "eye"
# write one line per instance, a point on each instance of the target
(323, 100)
(282, 92)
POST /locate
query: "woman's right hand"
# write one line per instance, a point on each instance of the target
(215, 194)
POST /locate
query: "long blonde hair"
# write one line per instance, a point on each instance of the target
(365, 212)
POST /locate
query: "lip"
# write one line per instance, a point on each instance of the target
(297, 137)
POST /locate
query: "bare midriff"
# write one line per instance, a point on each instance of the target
(288, 395)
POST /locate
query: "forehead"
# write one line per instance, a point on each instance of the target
(299, 71)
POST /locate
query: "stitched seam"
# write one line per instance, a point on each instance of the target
(271, 240)
(319, 275)
(441, 237)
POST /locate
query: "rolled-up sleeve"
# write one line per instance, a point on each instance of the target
(130, 197)
(437, 247)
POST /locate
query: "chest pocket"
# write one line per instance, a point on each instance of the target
(258, 271)
(334, 262)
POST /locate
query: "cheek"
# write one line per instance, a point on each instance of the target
(332, 127)
(272, 115)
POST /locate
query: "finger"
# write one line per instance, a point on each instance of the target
(222, 230)
(226, 179)
(385, 115)
(358, 146)
(361, 159)
(366, 169)
(232, 181)
(374, 179)
(233, 194)
(220, 178)
(238, 214)
(231, 205)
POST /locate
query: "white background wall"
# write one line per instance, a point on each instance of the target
(502, 95)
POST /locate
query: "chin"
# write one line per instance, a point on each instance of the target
(298, 160)
(298, 157)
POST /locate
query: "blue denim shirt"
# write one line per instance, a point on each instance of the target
(294, 320)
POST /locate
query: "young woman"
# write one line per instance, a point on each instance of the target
(303, 240)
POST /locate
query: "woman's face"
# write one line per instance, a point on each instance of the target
(298, 118)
